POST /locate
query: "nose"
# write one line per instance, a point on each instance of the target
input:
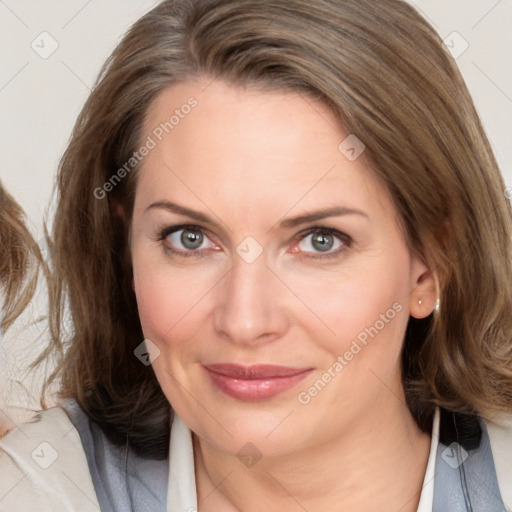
(250, 305)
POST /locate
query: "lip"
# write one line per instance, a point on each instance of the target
(255, 382)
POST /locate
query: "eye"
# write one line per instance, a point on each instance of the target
(322, 243)
(191, 241)
(185, 240)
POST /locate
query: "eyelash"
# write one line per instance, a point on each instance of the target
(165, 231)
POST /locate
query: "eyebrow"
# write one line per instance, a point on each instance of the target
(283, 224)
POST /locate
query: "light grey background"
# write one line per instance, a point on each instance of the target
(41, 97)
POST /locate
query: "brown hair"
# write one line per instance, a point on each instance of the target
(382, 69)
(20, 260)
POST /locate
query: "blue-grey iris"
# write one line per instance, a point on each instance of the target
(325, 241)
(191, 239)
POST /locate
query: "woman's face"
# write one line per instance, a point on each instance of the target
(276, 307)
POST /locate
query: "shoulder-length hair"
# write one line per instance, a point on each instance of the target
(20, 261)
(384, 72)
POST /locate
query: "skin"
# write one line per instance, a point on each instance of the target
(249, 158)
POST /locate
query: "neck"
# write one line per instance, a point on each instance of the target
(378, 464)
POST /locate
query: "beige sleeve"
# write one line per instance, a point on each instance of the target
(43, 468)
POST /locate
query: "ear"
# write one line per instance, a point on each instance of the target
(424, 290)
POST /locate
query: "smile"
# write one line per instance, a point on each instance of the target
(256, 382)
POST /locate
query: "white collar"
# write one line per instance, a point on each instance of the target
(427, 490)
(181, 491)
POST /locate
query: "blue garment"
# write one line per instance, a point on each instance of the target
(122, 480)
(465, 475)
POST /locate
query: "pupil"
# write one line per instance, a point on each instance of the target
(191, 239)
(324, 242)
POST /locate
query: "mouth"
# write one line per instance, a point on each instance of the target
(255, 382)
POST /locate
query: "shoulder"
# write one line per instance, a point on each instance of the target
(500, 437)
(43, 467)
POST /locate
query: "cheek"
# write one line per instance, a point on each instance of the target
(367, 313)
(161, 303)
(369, 296)
(157, 295)
(170, 300)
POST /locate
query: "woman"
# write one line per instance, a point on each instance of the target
(285, 246)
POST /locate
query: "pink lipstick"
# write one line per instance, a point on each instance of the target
(255, 382)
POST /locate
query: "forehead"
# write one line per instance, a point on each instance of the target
(249, 148)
